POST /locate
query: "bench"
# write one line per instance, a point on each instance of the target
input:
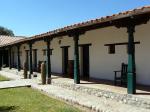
(121, 75)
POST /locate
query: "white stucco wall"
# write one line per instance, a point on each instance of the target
(103, 64)
(142, 53)
(23, 47)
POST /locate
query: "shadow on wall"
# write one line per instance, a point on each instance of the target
(7, 108)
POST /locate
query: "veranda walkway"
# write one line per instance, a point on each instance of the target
(95, 96)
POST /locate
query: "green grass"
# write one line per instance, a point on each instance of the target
(3, 78)
(29, 100)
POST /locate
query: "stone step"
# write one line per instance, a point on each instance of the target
(122, 98)
(92, 102)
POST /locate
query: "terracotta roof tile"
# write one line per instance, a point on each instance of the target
(8, 39)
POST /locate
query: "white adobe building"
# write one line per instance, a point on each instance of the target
(98, 47)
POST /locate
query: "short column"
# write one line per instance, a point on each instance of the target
(48, 60)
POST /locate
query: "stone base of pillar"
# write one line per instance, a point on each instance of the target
(49, 81)
(30, 76)
(131, 83)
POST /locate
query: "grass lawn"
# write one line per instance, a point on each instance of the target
(3, 78)
(28, 100)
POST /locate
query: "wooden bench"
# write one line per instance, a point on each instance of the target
(121, 76)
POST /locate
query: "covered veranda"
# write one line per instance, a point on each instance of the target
(128, 21)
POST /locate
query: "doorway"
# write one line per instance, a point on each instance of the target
(5, 58)
(13, 59)
(65, 60)
(85, 57)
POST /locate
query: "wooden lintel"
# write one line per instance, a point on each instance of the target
(48, 38)
(64, 46)
(34, 49)
(123, 43)
(89, 44)
(72, 33)
(46, 49)
(31, 42)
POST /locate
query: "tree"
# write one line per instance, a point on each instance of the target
(6, 31)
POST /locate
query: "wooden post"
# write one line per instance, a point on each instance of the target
(2, 57)
(35, 59)
(27, 59)
(30, 60)
(131, 76)
(18, 57)
(48, 60)
(76, 59)
(10, 64)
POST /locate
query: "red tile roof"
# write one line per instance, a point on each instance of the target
(8, 39)
(137, 11)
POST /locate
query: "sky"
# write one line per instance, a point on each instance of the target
(32, 17)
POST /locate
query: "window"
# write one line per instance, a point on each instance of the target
(111, 49)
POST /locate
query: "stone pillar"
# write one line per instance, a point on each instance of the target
(76, 59)
(48, 60)
(131, 76)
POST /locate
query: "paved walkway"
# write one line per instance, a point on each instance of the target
(15, 83)
(89, 101)
(11, 76)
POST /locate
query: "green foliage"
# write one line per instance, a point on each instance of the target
(28, 100)
(6, 31)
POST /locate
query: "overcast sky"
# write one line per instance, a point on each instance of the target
(31, 17)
